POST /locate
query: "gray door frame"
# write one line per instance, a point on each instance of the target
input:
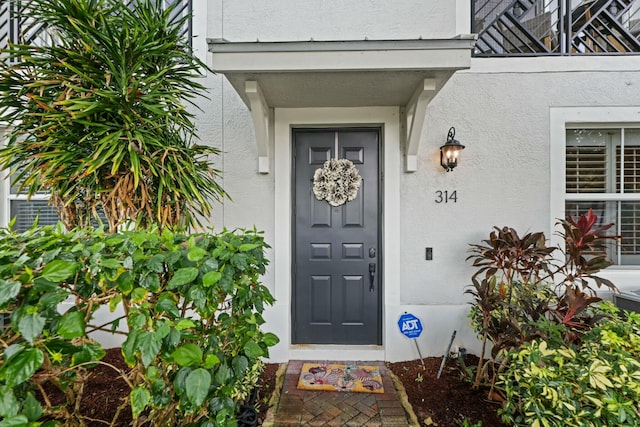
(379, 258)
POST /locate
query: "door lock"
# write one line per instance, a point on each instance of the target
(372, 252)
(372, 275)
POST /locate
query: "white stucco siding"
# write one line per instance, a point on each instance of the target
(223, 121)
(209, 129)
(503, 178)
(278, 20)
(501, 111)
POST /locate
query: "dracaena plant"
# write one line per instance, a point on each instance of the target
(102, 116)
(521, 286)
(585, 251)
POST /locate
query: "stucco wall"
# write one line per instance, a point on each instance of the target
(503, 175)
(224, 122)
(278, 20)
(500, 109)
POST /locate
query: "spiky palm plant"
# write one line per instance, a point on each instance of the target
(99, 117)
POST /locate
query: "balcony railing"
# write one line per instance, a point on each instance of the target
(556, 27)
(16, 26)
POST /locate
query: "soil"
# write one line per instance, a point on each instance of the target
(103, 393)
(449, 400)
(446, 401)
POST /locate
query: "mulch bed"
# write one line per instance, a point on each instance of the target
(436, 402)
(448, 400)
(105, 391)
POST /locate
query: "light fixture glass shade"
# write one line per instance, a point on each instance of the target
(450, 151)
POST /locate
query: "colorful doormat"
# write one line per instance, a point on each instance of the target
(359, 378)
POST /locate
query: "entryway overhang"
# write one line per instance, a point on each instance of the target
(366, 73)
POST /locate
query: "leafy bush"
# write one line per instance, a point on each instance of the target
(594, 383)
(192, 305)
(520, 286)
(507, 322)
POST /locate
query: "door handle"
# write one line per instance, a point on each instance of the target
(372, 275)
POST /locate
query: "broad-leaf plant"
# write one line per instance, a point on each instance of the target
(193, 324)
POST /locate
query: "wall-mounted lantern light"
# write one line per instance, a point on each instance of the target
(450, 151)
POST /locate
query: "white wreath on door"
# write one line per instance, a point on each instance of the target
(337, 182)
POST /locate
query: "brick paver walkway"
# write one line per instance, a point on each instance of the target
(325, 408)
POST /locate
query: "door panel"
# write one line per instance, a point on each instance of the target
(336, 295)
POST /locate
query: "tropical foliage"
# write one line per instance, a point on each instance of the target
(102, 119)
(596, 383)
(521, 289)
(193, 309)
(99, 117)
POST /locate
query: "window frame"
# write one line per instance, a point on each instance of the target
(560, 120)
(610, 146)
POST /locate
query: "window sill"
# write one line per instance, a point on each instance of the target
(626, 278)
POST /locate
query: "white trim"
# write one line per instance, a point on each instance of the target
(614, 197)
(276, 62)
(554, 64)
(347, 55)
(560, 119)
(285, 120)
(463, 16)
(200, 28)
(336, 352)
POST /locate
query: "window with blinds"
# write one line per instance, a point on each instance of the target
(631, 169)
(586, 169)
(16, 206)
(37, 207)
(26, 211)
(603, 173)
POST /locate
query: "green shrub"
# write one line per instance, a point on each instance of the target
(593, 383)
(192, 305)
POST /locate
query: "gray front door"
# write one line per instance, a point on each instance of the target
(337, 261)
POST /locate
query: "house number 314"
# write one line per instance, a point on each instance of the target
(446, 196)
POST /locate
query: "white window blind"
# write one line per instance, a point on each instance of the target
(26, 211)
(586, 169)
(597, 162)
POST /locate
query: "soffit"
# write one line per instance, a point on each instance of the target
(339, 73)
(404, 73)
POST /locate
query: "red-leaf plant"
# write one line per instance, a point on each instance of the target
(585, 255)
(511, 289)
